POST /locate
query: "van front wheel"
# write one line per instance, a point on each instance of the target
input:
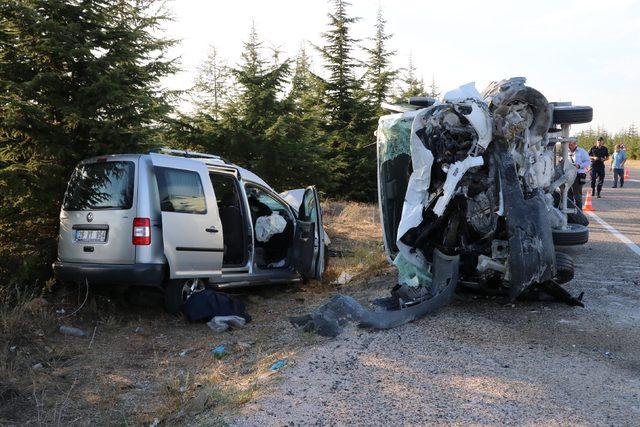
(177, 291)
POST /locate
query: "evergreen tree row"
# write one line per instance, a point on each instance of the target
(629, 137)
(318, 128)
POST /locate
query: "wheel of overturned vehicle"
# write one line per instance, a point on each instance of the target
(571, 235)
(176, 293)
(565, 268)
(578, 217)
(572, 114)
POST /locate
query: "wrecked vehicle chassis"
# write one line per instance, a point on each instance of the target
(475, 176)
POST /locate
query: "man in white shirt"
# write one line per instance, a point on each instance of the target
(580, 158)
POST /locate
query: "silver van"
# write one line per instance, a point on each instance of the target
(181, 220)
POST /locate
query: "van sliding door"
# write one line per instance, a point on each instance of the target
(191, 228)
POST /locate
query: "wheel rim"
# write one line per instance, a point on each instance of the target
(189, 287)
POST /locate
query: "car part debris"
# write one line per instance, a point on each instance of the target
(330, 319)
(223, 323)
(279, 365)
(69, 330)
(219, 352)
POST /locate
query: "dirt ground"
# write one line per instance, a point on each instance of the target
(138, 365)
(480, 360)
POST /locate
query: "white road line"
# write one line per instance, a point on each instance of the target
(635, 248)
(632, 180)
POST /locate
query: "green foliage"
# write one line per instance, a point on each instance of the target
(350, 118)
(379, 75)
(629, 137)
(261, 126)
(409, 84)
(77, 78)
(81, 77)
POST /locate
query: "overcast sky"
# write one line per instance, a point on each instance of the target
(584, 51)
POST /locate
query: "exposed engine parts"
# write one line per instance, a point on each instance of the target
(486, 184)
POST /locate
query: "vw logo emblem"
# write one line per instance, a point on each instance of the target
(89, 217)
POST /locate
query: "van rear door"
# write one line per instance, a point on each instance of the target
(97, 214)
(191, 226)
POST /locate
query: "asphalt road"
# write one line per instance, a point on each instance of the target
(482, 361)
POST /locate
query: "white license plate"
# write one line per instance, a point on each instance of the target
(95, 236)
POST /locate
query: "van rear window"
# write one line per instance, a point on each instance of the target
(103, 185)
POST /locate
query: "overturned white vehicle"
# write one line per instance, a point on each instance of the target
(474, 191)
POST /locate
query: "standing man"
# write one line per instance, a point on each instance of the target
(598, 154)
(580, 158)
(619, 158)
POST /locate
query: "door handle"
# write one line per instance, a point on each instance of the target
(211, 229)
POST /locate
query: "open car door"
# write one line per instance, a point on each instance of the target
(191, 226)
(308, 246)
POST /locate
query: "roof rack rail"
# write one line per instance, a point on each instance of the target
(187, 153)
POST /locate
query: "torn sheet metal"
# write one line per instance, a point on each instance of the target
(456, 171)
(417, 190)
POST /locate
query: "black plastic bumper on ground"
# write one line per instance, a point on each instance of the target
(110, 274)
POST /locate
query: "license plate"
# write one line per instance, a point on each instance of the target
(95, 236)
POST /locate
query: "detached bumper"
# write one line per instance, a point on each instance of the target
(110, 274)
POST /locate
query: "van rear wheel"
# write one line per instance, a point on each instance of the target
(177, 291)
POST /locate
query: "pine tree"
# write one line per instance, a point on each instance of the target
(409, 83)
(433, 91)
(306, 87)
(213, 87)
(76, 79)
(379, 74)
(349, 131)
(341, 83)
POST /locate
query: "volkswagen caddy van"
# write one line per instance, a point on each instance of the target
(179, 221)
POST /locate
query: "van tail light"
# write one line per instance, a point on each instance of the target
(141, 231)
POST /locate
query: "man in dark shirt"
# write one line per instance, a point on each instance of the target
(598, 155)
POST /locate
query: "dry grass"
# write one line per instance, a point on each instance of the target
(131, 371)
(354, 229)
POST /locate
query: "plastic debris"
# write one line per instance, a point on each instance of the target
(138, 330)
(183, 353)
(61, 311)
(343, 278)
(411, 275)
(219, 352)
(243, 346)
(13, 348)
(222, 323)
(70, 330)
(278, 365)
(37, 366)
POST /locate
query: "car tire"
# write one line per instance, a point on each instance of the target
(578, 217)
(573, 235)
(565, 268)
(176, 293)
(572, 114)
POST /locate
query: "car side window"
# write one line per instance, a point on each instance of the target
(264, 199)
(180, 191)
(310, 209)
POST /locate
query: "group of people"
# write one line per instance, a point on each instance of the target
(594, 163)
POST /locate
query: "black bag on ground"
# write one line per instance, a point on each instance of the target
(204, 305)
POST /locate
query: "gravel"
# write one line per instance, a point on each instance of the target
(482, 361)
